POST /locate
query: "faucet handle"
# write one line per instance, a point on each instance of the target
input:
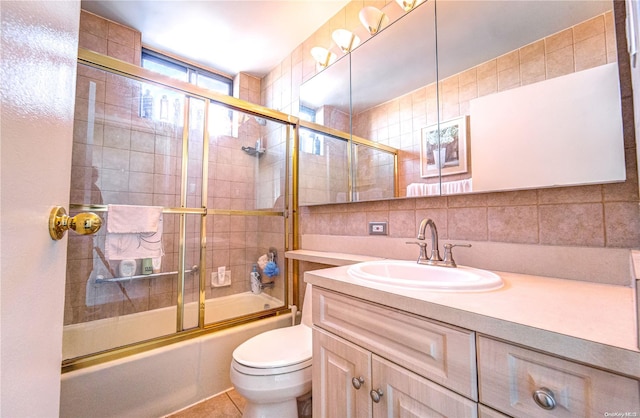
(423, 250)
(448, 260)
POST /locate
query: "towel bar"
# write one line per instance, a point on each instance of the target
(193, 269)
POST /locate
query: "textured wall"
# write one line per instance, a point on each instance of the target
(594, 216)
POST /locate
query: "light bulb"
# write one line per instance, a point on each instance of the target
(373, 19)
(322, 56)
(345, 39)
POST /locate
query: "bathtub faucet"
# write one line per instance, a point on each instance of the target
(268, 285)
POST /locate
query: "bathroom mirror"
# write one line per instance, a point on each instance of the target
(538, 84)
(491, 55)
(325, 98)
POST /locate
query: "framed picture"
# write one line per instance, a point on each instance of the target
(444, 152)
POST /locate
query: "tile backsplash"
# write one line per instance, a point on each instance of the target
(590, 216)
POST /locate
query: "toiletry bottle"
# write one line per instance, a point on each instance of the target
(147, 266)
(127, 268)
(156, 264)
(221, 275)
(147, 105)
(164, 108)
(255, 280)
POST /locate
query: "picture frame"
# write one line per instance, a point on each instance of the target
(453, 138)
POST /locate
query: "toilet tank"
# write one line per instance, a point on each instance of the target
(306, 307)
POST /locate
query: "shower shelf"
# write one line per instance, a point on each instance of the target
(193, 269)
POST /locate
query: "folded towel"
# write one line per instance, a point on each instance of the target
(133, 232)
(450, 187)
(423, 189)
(133, 246)
(129, 219)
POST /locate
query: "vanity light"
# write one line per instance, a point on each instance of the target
(408, 4)
(373, 19)
(322, 56)
(345, 39)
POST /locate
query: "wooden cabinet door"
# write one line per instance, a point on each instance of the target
(407, 395)
(336, 362)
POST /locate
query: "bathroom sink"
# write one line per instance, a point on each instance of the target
(411, 275)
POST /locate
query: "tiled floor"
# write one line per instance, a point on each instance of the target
(226, 405)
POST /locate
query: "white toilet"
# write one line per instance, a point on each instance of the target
(272, 369)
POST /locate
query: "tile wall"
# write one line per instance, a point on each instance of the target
(120, 157)
(592, 216)
(323, 182)
(398, 123)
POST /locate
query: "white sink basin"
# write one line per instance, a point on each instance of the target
(411, 275)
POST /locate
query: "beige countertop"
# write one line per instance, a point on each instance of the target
(587, 322)
(329, 258)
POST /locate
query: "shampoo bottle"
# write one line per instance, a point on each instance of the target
(255, 280)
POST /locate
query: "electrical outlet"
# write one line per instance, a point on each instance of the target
(377, 228)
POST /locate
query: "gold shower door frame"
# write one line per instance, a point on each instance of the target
(191, 92)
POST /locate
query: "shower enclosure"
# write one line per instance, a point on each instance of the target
(219, 169)
(338, 167)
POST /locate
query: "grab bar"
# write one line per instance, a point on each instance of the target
(193, 269)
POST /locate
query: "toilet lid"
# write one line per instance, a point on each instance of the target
(276, 348)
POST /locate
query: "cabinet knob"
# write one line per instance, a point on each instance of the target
(376, 395)
(544, 398)
(357, 382)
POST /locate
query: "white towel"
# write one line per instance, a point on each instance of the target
(130, 219)
(450, 187)
(146, 242)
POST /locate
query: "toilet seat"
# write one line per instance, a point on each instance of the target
(279, 351)
(258, 371)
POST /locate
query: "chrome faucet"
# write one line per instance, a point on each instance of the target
(434, 259)
(435, 253)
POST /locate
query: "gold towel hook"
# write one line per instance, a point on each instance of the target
(85, 223)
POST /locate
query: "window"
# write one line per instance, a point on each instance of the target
(164, 66)
(154, 100)
(185, 72)
(310, 142)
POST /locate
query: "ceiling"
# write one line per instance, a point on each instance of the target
(251, 36)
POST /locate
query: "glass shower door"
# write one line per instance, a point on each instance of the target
(247, 167)
(216, 179)
(128, 147)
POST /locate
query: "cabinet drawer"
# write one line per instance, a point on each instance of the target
(443, 354)
(509, 375)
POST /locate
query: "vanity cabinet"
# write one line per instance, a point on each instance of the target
(373, 361)
(525, 383)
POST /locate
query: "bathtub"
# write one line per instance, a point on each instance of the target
(160, 381)
(103, 334)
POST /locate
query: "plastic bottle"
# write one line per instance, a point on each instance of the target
(147, 105)
(164, 108)
(255, 280)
